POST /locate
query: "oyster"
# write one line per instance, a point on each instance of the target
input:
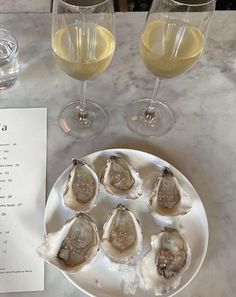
(122, 235)
(121, 179)
(163, 266)
(82, 187)
(74, 246)
(168, 198)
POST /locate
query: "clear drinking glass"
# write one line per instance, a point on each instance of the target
(9, 66)
(171, 43)
(83, 43)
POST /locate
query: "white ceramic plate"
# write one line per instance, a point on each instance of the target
(105, 279)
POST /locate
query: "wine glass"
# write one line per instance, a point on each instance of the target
(171, 43)
(83, 43)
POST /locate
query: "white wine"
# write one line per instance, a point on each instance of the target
(169, 48)
(83, 50)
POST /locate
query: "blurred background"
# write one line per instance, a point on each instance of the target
(120, 5)
(142, 5)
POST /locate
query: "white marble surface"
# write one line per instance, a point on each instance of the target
(25, 6)
(202, 143)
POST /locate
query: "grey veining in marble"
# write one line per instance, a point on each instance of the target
(201, 144)
(24, 6)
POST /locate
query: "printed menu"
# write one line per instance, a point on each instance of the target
(23, 136)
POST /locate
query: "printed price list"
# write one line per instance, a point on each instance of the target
(9, 170)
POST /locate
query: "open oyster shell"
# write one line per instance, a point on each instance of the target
(74, 246)
(163, 266)
(122, 236)
(82, 187)
(121, 179)
(168, 197)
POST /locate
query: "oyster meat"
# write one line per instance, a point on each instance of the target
(164, 265)
(82, 187)
(74, 246)
(121, 179)
(122, 236)
(168, 197)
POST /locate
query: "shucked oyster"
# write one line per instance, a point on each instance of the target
(72, 247)
(122, 235)
(168, 197)
(82, 187)
(163, 266)
(121, 179)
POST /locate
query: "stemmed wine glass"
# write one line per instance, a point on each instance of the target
(171, 43)
(83, 43)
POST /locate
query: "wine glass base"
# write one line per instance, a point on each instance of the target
(86, 126)
(139, 121)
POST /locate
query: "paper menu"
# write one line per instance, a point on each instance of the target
(23, 136)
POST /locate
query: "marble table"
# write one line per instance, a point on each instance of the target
(25, 6)
(201, 144)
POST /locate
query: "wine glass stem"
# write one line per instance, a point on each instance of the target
(82, 104)
(151, 110)
(82, 111)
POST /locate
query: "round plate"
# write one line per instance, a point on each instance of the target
(105, 279)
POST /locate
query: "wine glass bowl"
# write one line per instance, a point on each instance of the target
(83, 44)
(90, 57)
(170, 47)
(172, 42)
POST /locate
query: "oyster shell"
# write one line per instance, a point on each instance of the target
(121, 179)
(164, 265)
(74, 246)
(168, 197)
(82, 187)
(122, 235)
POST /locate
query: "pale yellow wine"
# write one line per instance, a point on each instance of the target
(83, 50)
(169, 48)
